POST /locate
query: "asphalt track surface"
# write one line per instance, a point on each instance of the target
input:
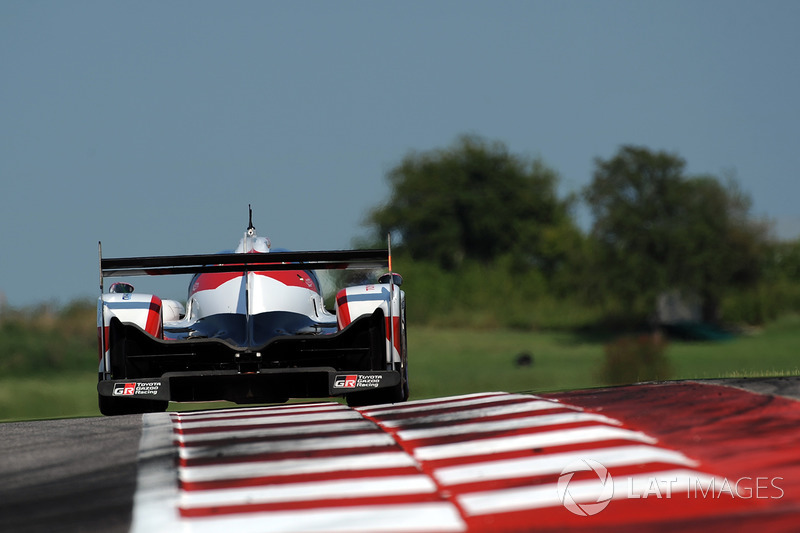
(68, 475)
(82, 474)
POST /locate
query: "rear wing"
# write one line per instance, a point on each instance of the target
(242, 262)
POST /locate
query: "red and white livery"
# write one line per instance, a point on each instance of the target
(254, 329)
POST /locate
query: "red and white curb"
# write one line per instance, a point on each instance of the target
(479, 462)
(306, 467)
(498, 457)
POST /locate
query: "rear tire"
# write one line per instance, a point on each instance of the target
(396, 394)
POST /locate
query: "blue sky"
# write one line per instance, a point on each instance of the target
(151, 125)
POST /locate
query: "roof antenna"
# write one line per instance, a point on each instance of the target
(251, 230)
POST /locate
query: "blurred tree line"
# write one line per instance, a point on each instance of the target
(484, 237)
(46, 338)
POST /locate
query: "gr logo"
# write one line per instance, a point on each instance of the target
(346, 382)
(585, 497)
(124, 389)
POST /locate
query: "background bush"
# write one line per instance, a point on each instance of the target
(633, 359)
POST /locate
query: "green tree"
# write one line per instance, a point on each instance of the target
(658, 230)
(782, 260)
(476, 201)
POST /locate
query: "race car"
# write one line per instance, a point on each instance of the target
(255, 329)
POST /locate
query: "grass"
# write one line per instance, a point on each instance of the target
(49, 396)
(457, 361)
(443, 362)
(773, 351)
